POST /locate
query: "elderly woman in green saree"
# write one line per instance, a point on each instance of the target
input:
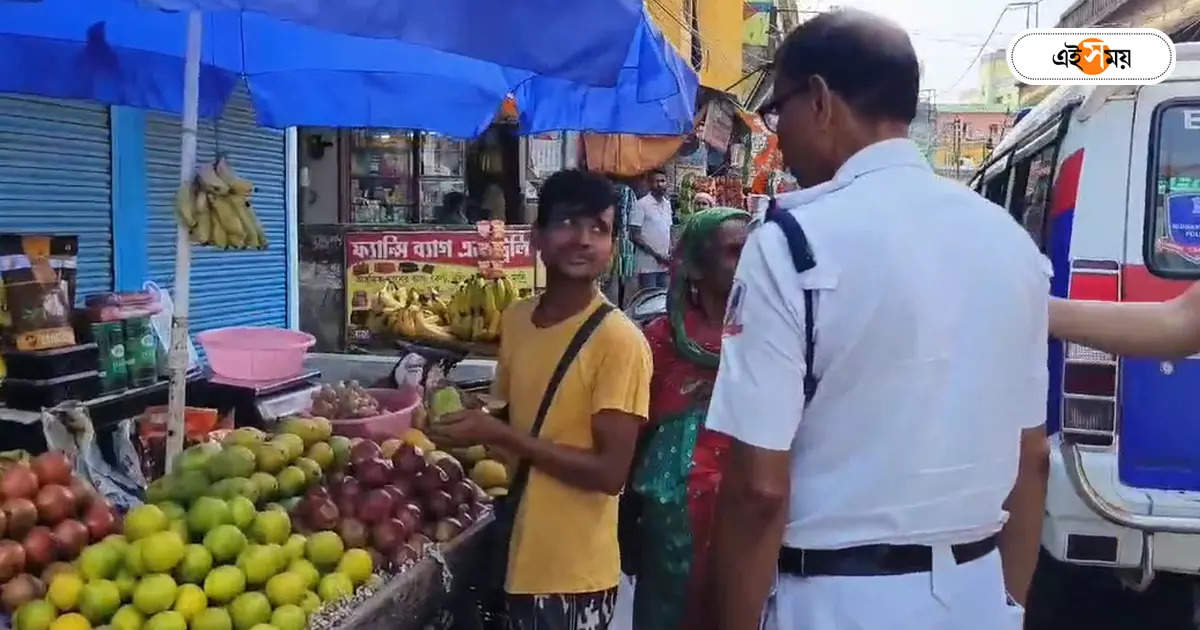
(678, 471)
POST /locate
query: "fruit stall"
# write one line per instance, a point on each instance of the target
(300, 501)
(354, 520)
(382, 254)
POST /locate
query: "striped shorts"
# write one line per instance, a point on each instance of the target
(575, 611)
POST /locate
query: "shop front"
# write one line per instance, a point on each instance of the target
(732, 157)
(88, 197)
(392, 219)
(108, 176)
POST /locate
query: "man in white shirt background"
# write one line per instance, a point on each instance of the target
(650, 231)
(908, 492)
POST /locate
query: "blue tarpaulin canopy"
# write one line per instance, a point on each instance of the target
(128, 53)
(584, 41)
(444, 66)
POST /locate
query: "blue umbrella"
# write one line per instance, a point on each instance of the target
(600, 72)
(584, 41)
(118, 52)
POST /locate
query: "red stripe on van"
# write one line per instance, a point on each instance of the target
(1142, 286)
(1066, 186)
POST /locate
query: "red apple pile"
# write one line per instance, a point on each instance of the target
(393, 506)
(47, 515)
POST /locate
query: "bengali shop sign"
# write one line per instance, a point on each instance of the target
(435, 259)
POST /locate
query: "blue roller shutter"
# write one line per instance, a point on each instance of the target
(56, 178)
(229, 288)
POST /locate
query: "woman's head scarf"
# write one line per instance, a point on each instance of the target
(690, 252)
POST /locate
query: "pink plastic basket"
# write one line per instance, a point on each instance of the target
(401, 401)
(256, 353)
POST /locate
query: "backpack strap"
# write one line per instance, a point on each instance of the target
(802, 259)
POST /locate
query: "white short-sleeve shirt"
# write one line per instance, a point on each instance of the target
(653, 217)
(931, 333)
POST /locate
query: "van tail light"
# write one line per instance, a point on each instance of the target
(1090, 387)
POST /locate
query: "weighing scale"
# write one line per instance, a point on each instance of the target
(261, 403)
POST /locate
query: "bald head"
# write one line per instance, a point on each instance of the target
(866, 60)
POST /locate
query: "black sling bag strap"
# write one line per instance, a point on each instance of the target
(803, 260)
(506, 508)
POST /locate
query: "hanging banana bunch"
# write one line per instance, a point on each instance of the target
(215, 208)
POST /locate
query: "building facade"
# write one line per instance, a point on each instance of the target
(997, 86)
(965, 136)
(1176, 18)
(707, 32)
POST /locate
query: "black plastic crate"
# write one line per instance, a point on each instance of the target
(33, 395)
(40, 365)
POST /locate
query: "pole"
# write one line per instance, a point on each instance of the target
(177, 358)
(957, 147)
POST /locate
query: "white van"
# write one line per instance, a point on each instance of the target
(1106, 179)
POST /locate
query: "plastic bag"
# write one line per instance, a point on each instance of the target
(68, 428)
(160, 322)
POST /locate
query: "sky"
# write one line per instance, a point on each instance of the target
(948, 33)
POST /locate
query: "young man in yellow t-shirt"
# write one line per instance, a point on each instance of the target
(564, 563)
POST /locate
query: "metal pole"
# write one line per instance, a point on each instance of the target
(177, 359)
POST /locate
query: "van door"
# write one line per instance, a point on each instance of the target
(1160, 425)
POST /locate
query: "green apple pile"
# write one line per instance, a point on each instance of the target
(221, 565)
(214, 548)
(260, 467)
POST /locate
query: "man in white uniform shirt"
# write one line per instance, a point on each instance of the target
(908, 493)
(650, 231)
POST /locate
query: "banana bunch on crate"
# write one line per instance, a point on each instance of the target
(216, 210)
(475, 308)
(410, 313)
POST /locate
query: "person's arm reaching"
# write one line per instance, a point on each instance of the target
(602, 468)
(620, 397)
(1021, 538)
(758, 401)
(1168, 329)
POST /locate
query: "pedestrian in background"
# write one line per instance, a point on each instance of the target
(678, 471)
(576, 375)
(650, 231)
(886, 402)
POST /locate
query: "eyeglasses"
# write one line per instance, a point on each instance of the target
(769, 111)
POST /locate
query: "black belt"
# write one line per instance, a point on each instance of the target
(874, 559)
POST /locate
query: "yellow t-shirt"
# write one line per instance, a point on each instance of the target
(565, 539)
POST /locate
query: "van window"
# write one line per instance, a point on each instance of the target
(996, 189)
(1173, 234)
(1037, 194)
